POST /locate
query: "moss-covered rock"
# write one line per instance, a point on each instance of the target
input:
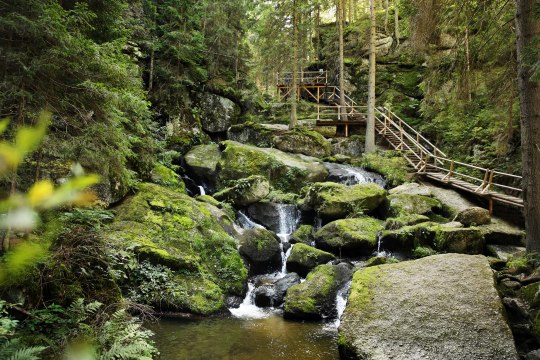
(423, 251)
(217, 113)
(252, 133)
(261, 249)
(531, 294)
(334, 201)
(503, 234)
(303, 141)
(315, 298)
(406, 204)
(170, 229)
(245, 191)
(304, 258)
(390, 164)
(439, 307)
(411, 189)
(202, 161)
(349, 237)
(474, 216)
(404, 220)
(285, 172)
(280, 218)
(460, 240)
(164, 176)
(351, 146)
(302, 235)
(409, 237)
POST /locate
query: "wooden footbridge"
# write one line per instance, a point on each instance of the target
(425, 158)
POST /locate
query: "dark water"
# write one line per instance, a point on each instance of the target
(238, 339)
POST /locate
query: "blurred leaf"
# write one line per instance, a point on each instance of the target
(3, 125)
(20, 219)
(40, 191)
(19, 258)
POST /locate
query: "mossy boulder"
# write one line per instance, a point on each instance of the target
(170, 229)
(349, 237)
(202, 161)
(164, 176)
(474, 216)
(438, 307)
(286, 172)
(531, 294)
(351, 146)
(392, 165)
(334, 201)
(245, 191)
(217, 112)
(302, 235)
(303, 141)
(261, 249)
(280, 218)
(406, 204)
(404, 220)
(460, 240)
(409, 237)
(503, 234)
(304, 258)
(252, 133)
(411, 189)
(315, 298)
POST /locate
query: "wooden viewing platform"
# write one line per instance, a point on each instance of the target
(424, 157)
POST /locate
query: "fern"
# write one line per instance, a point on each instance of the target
(14, 350)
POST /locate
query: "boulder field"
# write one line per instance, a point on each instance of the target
(440, 307)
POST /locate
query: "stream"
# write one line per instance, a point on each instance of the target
(252, 332)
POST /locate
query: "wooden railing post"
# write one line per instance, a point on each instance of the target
(488, 186)
(401, 134)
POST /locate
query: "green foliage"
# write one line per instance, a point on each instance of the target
(390, 164)
(14, 350)
(91, 218)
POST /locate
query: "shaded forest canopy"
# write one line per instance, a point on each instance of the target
(153, 95)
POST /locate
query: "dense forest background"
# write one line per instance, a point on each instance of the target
(135, 84)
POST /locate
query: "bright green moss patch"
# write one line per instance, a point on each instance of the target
(164, 176)
(304, 235)
(390, 164)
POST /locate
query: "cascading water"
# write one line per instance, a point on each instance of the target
(201, 190)
(349, 175)
(288, 222)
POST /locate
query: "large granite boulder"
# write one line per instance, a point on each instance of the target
(217, 112)
(406, 204)
(411, 189)
(183, 240)
(261, 249)
(334, 201)
(201, 162)
(473, 216)
(302, 235)
(315, 298)
(460, 240)
(245, 191)
(286, 172)
(274, 294)
(442, 307)
(349, 237)
(304, 258)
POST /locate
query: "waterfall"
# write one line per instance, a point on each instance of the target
(246, 223)
(349, 175)
(201, 190)
(248, 309)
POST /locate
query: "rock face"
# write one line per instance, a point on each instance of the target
(411, 189)
(351, 146)
(202, 160)
(246, 191)
(305, 258)
(297, 141)
(463, 241)
(164, 176)
(302, 235)
(334, 201)
(274, 216)
(352, 237)
(217, 113)
(441, 307)
(261, 249)
(474, 216)
(285, 172)
(406, 204)
(315, 298)
(182, 239)
(274, 294)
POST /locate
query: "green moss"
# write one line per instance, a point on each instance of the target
(172, 229)
(390, 164)
(460, 240)
(164, 176)
(335, 201)
(407, 204)
(304, 141)
(280, 197)
(405, 220)
(361, 295)
(303, 235)
(423, 251)
(358, 236)
(531, 294)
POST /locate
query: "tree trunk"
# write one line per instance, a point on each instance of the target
(151, 74)
(528, 30)
(370, 127)
(386, 9)
(294, 118)
(396, 21)
(468, 68)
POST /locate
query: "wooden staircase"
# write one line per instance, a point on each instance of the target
(423, 157)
